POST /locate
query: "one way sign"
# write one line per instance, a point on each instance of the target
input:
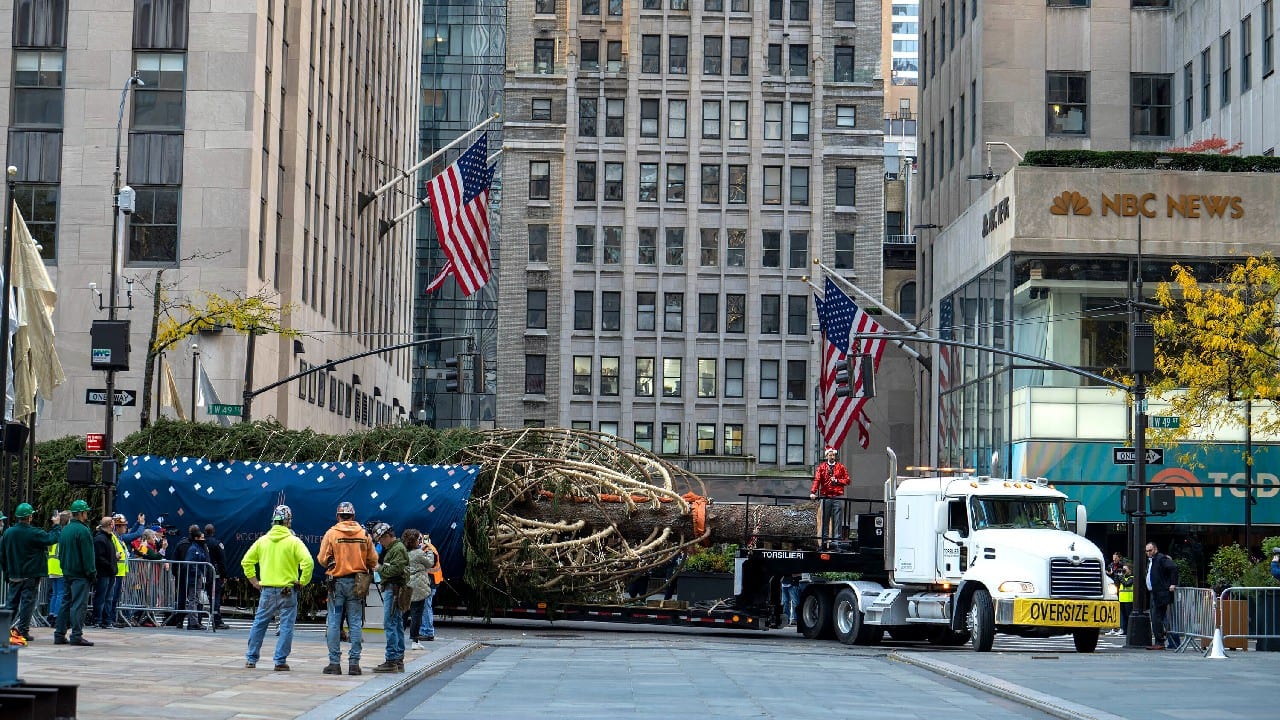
(98, 396)
(1129, 456)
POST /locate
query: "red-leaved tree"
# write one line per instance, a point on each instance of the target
(1212, 144)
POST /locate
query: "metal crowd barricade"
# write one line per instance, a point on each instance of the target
(154, 589)
(1260, 619)
(1193, 616)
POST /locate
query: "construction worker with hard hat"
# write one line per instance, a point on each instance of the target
(75, 554)
(23, 551)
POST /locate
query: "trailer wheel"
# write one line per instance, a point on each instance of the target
(815, 614)
(849, 622)
(982, 620)
(1086, 639)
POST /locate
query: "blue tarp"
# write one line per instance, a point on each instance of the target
(238, 497)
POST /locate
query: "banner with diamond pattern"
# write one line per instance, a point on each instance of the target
(238, 497)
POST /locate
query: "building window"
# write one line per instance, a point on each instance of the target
(581, 374)
(799, 186)
(612, 247)
(1188, 96)
(1206, 81)
(1268, 35)
(769, 379)
(158, 105)
(153, 226)
(737, 184)
(613, 60)
(798, 252)
(773, 59)
(711, 184)
(649, 110)
(709, 247)
(673, 312)
(737, 119)
(648, 182)
(1152, 97)
(797, 314)
(772, 185)
(768, 444)
(39, 206)
(770, 314)
(644, 430)
(1246, 54)
(37, 88)
(795, 444)
(589, 55)
(844, 64)
(707, 377)
(711, 119)
(609, 376)
(587, 109)
(675, 247)
(1068, 103)
(677, 111)
(798, 56)
(540, 109)
(740, 6)
(706, 439)
(535, 302)
(773, 121)
(775, 9)
(651, 54)
(644, 377)
(799, 121)
(844, 251)
(735, 313)
(591, 7)
(739, 49)
(732, 439)
(846, 116)
(715, 6)
(539, 180)
(544, 56)
(646, 311)
(846, 187)
(678, 55)
(734, 376)
(712, 55)
(671, 377)
(535, 374)
(647, 246)
(708, 313)
(771, 248)
(675, 182)
(614, 117)
(585, 251)
(613, 181)
(797, 379)
(799, 10)
(586, 181)
(583, 310)
(735, 254)
(671, 431)
(907, 299)
(678, 4)
(1224, 47)
(544, 7)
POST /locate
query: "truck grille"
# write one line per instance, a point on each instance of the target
(1075, 581)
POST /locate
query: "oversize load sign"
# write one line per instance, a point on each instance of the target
(1066, 613)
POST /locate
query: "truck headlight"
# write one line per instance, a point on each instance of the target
(1016, 586)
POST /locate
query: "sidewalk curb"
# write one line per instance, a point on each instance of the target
(1045, 703)
(375, 693)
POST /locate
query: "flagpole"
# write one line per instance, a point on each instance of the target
(857, 290)
(385, 227)
(365, 199)
(910, 351)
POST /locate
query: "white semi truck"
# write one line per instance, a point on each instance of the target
(966, 557)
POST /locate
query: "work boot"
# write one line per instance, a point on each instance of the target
(16, 638)
(59, 639)
(390, 666)
(354, 669)
(82, 642)
(332, 669)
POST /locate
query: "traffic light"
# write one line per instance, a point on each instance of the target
(844, 378)
(477, 373)
(451, 379)
(868, 376)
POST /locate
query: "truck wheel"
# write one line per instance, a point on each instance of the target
(846, 617)
(815, 615)
(982, 620)
(1086, 639)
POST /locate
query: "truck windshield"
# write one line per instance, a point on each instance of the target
(992, 512)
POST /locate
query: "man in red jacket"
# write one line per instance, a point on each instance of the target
(829, 481)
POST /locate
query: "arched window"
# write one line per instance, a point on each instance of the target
(907, 299)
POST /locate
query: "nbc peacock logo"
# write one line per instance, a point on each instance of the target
(1070, 202)
(1183, 481)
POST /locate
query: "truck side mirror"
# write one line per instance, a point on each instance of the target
(941, 515)
(1082, 519)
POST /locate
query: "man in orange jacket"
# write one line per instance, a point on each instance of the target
(829, 481)
(345, 552)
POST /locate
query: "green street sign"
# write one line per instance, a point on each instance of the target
(1166, 422)
(219, 409)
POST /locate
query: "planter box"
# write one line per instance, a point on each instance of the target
(703, 586)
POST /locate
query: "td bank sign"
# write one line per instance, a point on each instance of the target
(1191, 207)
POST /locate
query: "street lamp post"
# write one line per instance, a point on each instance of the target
(117, 218)
(11, 177)
(195, 364)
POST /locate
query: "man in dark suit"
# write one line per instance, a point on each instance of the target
(1162, 580)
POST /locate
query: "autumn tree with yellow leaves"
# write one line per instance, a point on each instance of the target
(1218, 345)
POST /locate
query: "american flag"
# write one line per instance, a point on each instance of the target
(459, 199)
(839, 317)
(946, 403)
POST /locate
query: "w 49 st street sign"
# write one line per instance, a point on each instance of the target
(1129, 456)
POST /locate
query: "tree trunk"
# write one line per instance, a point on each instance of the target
(727, 523)
(149, 367)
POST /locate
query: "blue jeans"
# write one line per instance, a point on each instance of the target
(271, 602)
(790, 601)
(392, 624)
(344, 603)
(71, 613)
(57, 589)
(102, 591)
(428, 627)
(25, 593)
